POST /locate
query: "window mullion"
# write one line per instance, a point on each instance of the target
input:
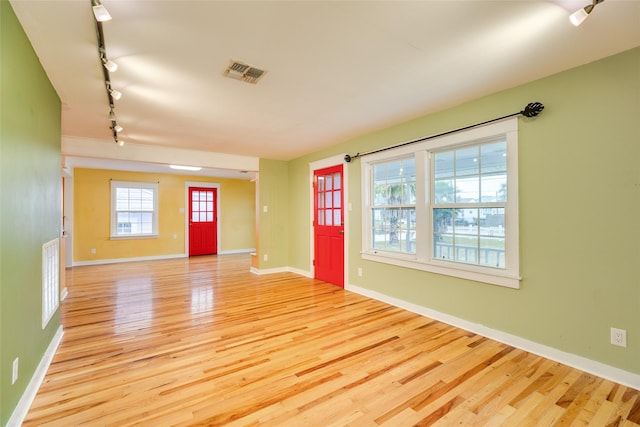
(423, 213)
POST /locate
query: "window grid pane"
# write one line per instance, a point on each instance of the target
(393, 222)
(462, 178)
(328, 217)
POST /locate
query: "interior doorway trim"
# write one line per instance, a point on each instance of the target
(186, 211)
(322, 164)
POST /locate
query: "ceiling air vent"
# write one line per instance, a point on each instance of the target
(241, 71)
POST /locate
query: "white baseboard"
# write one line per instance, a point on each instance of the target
(304, 273)
(21, 410)
(237, 251)
(152, 258)
(260, 272)
(626, 378)
(281, 270)
(117, 260)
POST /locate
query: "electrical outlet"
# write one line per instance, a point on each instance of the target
(619, 337)
(359, 271)
(93, 250)
(14, 375)
(265, 257)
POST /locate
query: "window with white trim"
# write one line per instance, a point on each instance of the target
(448, 205)
(134, 209)
(393, 212)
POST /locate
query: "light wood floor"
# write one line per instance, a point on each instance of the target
(202, 341)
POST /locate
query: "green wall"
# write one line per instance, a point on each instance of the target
(579, 201)
(30, 204)
(273, 226)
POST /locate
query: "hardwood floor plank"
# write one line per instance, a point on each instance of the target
(202, 341)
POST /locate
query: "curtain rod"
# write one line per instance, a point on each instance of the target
(531, 110)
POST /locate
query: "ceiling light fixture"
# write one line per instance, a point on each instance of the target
(580, 15)
(116, 94)
(185, 168)
(100, 12)
(109, 65)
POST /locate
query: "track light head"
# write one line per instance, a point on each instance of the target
(580, 15)
(109, 65)
(115, 94)
(100, 12)
(117, 128)
(120, 142)
(112, 115)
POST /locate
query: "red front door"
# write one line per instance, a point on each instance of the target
(329, 225)
(203, 222)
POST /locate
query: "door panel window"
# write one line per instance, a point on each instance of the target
(329, 208)
(202, 209)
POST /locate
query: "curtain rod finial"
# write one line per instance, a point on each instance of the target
(532, 109)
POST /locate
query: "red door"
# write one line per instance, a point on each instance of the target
(203, 223)
(329, 225)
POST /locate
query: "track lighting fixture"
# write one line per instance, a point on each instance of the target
(580, 15)
(115, 94)
(109, 65)
(100, 12)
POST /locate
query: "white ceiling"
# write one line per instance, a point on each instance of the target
(335, 69)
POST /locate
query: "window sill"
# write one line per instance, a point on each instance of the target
(134, 236)
(500, 278)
